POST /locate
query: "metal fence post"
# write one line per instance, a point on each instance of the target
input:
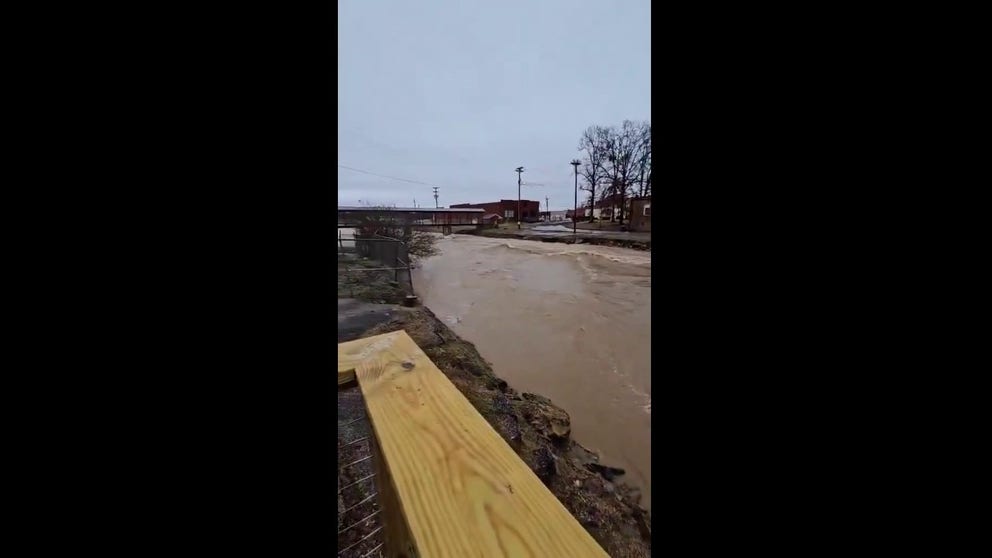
(409, 273)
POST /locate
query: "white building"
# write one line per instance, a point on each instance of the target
(554, 216)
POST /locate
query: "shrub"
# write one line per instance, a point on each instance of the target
(420, 244)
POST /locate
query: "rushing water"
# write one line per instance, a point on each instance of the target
(570, 322)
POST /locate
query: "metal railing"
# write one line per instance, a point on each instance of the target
(360, 521)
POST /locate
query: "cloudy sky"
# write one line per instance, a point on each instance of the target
(458, 94)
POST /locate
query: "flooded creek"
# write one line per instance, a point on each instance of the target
(569, 322)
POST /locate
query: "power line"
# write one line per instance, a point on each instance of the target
(369, 139)
(385, 176)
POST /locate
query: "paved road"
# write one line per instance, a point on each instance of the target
(356, 317)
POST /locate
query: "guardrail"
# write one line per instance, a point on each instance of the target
(447, 483)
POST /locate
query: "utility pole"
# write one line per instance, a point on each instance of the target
(519, 182)
(435, 197)
(575, 212)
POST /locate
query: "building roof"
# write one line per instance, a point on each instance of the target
(411, 209)
(522, 201)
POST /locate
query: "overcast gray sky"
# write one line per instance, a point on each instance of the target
(457, 94)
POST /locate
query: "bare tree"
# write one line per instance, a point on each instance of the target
(621, 157)
(647, 179)
(420, 244)
(617, 163)
(608, 168)
(592, 144)
(642, 159)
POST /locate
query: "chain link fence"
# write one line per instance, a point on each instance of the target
(369, 260)
(391, 254)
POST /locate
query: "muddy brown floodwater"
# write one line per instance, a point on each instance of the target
(569, 322)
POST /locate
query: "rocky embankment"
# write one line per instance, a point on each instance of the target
(535, 428)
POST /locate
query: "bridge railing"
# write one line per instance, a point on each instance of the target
(447, 483)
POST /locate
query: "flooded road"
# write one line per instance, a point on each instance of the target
(570, 322)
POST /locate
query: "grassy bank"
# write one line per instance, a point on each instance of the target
(359, 278)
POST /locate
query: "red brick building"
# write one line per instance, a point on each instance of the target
(530, 211)
(582, 212)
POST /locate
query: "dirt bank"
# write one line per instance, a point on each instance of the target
(537, 429)
(580, 238)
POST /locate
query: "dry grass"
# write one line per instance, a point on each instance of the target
(371, 286)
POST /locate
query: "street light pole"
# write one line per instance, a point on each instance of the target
(519, 170)
(575, 212)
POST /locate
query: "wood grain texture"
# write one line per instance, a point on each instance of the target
(463, 491)
(396, 534)
(351, 353)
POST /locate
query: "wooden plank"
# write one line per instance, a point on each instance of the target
(351, 353)
(462, 490)
(397, 542)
